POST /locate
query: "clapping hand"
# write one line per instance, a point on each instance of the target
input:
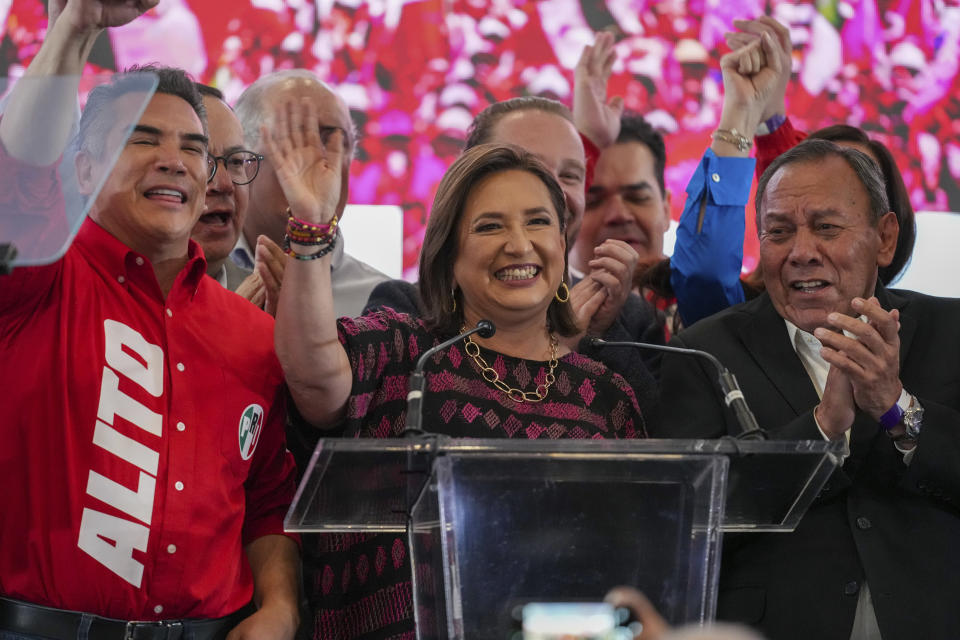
(613, 267)
(871, 358)
(836, 411)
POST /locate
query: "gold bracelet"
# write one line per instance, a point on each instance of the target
(734, 137)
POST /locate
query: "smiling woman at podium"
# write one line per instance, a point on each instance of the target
(494, 250)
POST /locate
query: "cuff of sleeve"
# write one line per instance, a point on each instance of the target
(780, 139)
(268, 525)
(728, 180)
(776, 142)
(907, 453)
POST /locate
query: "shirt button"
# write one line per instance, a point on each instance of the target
(139, 261)
(121, 279)
(715, 177)
(851, 588)
(172, 548)
(169, 313)
(158, 608)
(178, 485)
(864, 523)
(181, 426)
(180, 366)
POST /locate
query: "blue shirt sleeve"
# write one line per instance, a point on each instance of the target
(705, 266)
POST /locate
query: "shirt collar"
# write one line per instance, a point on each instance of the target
(797, 334)
(221, 275)
(242, 255)
(103, 249)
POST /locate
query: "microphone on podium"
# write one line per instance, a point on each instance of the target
(415, 386)
(732, 395)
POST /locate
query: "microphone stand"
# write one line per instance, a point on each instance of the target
(732, 395)
(417, 381)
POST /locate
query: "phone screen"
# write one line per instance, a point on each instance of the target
(574, 621)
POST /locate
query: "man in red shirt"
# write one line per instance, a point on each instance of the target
(144, 468)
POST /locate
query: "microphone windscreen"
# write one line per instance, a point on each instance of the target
(486, 329)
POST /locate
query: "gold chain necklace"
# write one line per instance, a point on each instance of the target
(490, 374)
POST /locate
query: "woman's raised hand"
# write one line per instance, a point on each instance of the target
(308, 159)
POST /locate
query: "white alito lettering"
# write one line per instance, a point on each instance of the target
(108, 539)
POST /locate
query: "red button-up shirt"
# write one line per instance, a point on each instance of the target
(142, 439)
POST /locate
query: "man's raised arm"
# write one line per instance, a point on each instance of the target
(40, 116)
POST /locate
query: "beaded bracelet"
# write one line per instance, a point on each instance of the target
(311, 241)
(329, 246)
(306, 233)
(299, 237)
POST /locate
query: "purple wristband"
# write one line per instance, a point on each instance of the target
(892, 417)
(773, 122)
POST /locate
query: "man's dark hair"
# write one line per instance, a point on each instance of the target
(481, 129)
(441, 240)
(815, 150)
(207, 90)
(896, 193)
(98, 117)
(634, 128)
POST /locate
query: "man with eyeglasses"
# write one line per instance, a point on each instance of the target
(264, 228)
(228, 190)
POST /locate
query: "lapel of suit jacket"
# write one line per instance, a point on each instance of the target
(765, 337)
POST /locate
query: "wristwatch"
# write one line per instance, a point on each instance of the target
(912, 421)
(906, 411)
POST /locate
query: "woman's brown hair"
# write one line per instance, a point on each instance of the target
(440, 242)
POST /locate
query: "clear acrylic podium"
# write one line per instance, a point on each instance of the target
(493, 524)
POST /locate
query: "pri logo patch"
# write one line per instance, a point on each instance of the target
(251, 422)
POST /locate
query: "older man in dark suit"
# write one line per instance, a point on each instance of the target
(828, 352)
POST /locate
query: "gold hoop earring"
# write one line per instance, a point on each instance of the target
(453, 296)
(566, 293)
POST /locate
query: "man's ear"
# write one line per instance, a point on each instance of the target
(85, 173)
(666, 209)
(889, 230)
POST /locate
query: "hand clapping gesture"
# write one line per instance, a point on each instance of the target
(613, 266)
(870, 361)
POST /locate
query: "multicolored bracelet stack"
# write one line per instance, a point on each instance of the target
(307, 234)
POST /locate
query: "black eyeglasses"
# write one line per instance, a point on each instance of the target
(242, 166)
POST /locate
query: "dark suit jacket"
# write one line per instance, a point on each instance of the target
(895, 526)
(637, 322)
